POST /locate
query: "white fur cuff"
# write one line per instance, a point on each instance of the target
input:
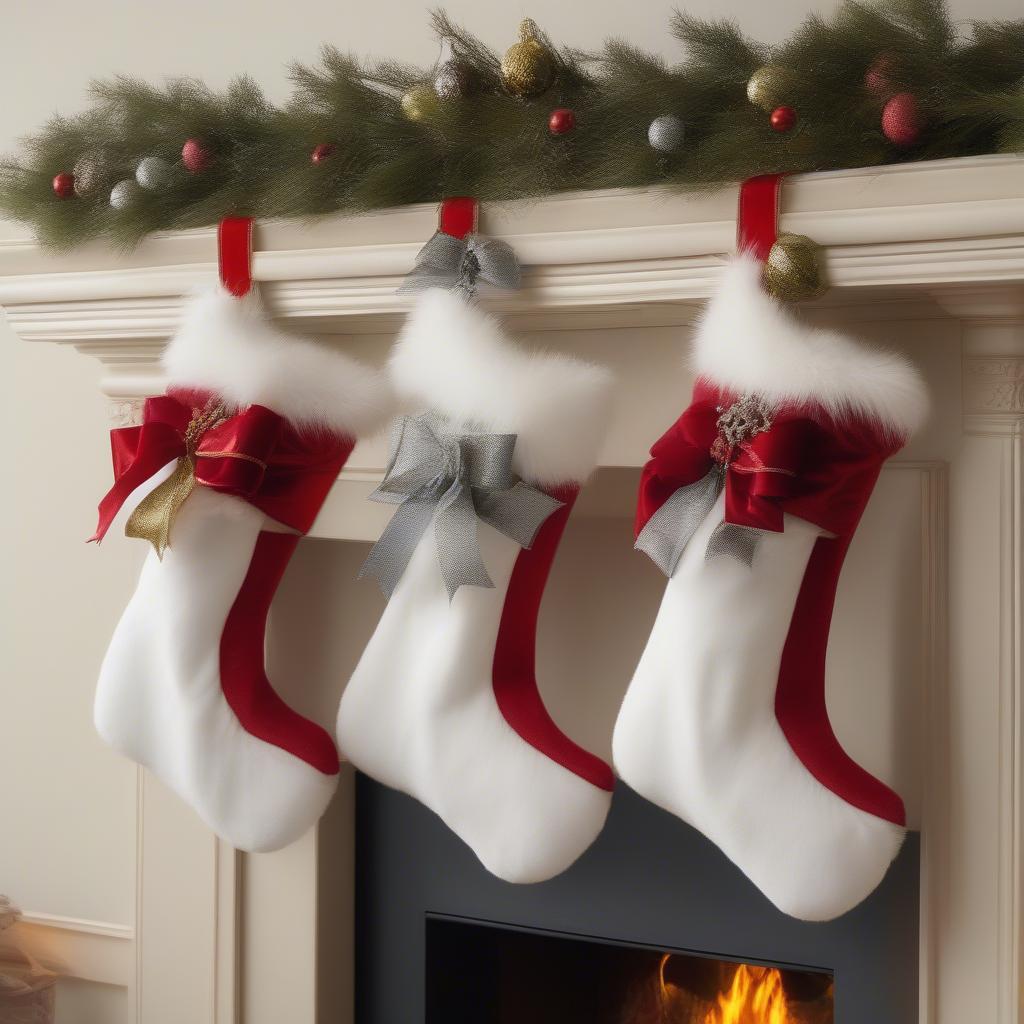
(454, 358)
(749, 343)
(229, 345)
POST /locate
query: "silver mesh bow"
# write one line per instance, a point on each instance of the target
(671, 528)
(436, 475)
(459, 263)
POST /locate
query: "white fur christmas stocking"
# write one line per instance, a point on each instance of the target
(227, 471)
(444, 703)
(748, 504)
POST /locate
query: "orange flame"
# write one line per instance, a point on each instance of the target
(663, 989)
(755, 997)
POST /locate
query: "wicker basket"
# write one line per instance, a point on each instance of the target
(28, 991)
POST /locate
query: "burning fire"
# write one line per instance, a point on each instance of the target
(755, 997)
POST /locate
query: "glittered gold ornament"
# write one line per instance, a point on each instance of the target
(795, 270)
(770, 87)
(419, 102)
(528, 67)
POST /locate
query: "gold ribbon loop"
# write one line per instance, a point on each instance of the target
(154, 515)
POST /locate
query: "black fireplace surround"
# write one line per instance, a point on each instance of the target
(649, 883)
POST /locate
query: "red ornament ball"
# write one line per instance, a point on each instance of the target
(782, 119)
(195, 156)
(322, 152)
(902, 119)
(561, 121)
(64, 185)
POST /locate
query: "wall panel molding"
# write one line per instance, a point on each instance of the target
(98, 951)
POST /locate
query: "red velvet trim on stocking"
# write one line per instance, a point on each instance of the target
(514, 672)
(800, 696)
(234, 249)
(255, 703)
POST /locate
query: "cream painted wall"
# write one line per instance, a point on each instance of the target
(67, 805)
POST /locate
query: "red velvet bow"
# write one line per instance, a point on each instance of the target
(806, 464)
(255, 454)
(759, 472)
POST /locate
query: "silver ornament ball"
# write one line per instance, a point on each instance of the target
(453, 81)
(123, 194)
(666, 133)
(152, 172)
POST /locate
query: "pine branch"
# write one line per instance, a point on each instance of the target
(496, 146)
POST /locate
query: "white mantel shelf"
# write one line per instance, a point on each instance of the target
(953, 225)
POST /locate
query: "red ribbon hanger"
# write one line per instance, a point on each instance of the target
(757, 219)
(234, 254)
(459, 216)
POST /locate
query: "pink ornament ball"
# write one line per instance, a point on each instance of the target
(195, 156)
(878, 77)
(902, 120)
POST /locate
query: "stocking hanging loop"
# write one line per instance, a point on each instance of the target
(458, 216)
(234, 254)
(757, 219)
(457, 258)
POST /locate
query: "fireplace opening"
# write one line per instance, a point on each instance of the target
(483, 973)
(431, 920)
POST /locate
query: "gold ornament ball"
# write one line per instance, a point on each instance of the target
(770, 87)
(419, 102)
(528, 67)
(795, 270)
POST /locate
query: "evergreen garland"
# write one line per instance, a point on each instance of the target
(495, 146)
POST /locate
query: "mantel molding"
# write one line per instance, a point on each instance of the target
(992, 380)
(893, 234)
